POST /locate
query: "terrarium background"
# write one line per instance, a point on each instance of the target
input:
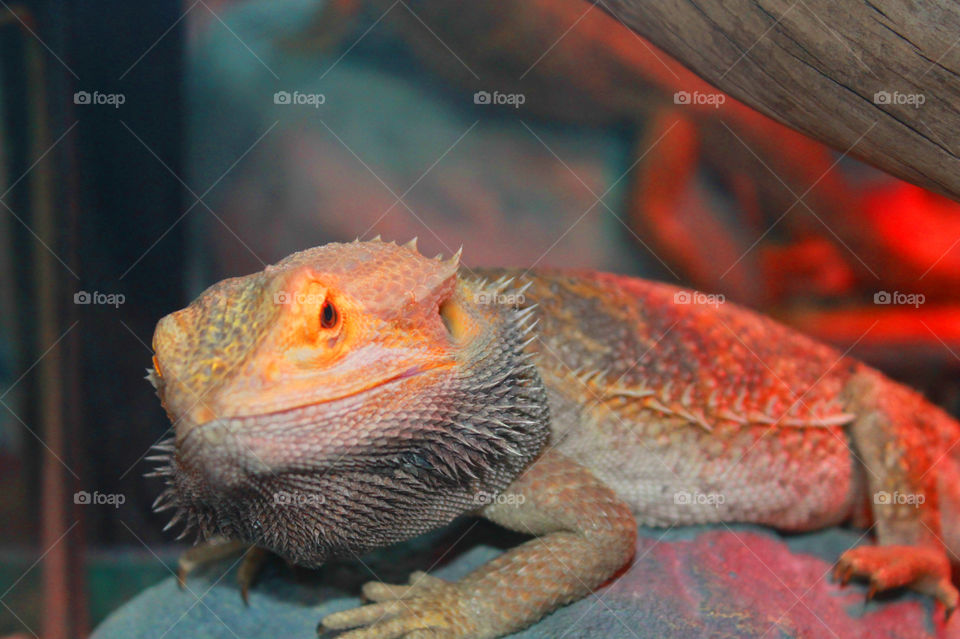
(200, 175)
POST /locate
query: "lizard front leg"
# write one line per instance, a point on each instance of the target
(583, 532)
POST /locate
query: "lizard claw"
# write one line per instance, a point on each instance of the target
(217, 548)
(926, 570)
(842, 573)
(249, 569)
(425, 608)
(324, 633)
(211, 550)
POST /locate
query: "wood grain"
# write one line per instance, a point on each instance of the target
(878, 79)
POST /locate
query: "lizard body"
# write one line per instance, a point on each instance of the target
(675, 398)
(390, 393)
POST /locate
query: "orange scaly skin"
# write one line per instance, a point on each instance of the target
(356, 395)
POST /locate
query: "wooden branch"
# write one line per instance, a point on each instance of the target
(879, 79)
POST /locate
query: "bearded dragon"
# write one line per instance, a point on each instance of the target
(356, 395)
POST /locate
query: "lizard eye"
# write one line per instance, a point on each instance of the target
(328, 315)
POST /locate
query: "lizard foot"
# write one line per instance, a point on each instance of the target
(925, 570)
(426, 608)
(217, 548)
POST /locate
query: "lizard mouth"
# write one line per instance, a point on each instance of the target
(227, 450)
(252, 418)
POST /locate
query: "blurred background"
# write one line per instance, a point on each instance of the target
(148, 150)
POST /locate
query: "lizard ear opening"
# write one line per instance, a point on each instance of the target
(460, 325)
(448, 315)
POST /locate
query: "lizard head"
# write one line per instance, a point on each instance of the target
(348, 397)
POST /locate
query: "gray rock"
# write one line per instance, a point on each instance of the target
(716, 582)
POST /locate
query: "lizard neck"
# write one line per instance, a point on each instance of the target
(502, 419)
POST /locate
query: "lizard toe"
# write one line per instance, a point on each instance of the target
(418, 584)
(361, 615)
(428, 608)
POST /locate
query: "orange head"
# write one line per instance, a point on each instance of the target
(343, 365)
(322, 324)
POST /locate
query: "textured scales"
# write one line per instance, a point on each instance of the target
(702, 399)
(355, 395)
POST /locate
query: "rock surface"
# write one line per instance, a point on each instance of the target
(716, 582)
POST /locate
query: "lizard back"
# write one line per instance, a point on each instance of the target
(673, 398)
